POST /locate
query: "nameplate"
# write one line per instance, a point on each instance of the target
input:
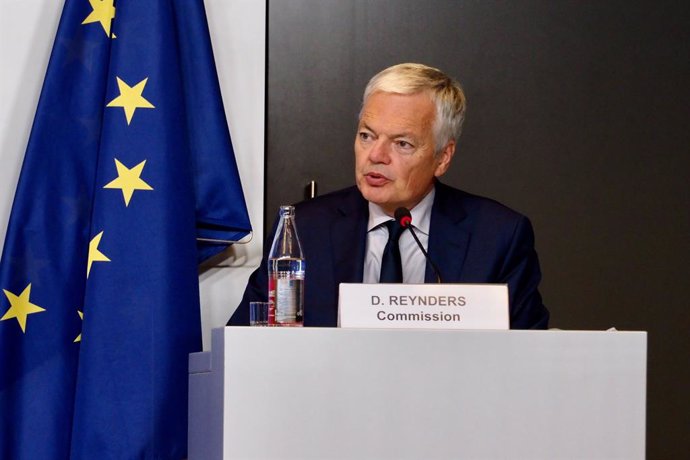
(424, 306)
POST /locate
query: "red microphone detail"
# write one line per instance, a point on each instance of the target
(403, 216)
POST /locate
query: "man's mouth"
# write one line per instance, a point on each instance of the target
(375, 179)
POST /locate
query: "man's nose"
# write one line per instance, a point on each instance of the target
(380, 152)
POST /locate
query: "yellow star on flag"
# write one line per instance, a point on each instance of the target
(20, 307)
(130, 98)
(103, 12)
(81, 315)
(128, 180)
(94, 254)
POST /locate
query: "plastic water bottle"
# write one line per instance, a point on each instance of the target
(286, 268)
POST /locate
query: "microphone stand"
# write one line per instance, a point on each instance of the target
(433, 265)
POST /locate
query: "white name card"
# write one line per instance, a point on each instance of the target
(424, 306)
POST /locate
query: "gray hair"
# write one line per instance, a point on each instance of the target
(446, 94)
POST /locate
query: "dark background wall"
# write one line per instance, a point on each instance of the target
(578, 117)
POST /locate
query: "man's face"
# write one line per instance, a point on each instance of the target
(395, 163)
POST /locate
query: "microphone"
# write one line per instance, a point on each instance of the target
(404, 218)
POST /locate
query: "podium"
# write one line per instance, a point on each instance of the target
(313, 393)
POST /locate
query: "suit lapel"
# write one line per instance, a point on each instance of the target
(348, 236)
(448, 241)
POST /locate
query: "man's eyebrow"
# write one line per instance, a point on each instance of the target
(364, 125)
(405, 134)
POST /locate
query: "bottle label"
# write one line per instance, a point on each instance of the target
(287, 299)
(271, 301)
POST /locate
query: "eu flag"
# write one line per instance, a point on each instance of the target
(128, 170)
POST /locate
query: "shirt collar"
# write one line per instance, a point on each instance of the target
(421, 214)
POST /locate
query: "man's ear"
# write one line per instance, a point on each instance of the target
(444, 158)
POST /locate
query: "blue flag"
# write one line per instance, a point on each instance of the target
(128, 170)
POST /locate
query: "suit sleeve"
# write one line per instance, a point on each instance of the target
(257, 287)
(522, 274)
(256, 291)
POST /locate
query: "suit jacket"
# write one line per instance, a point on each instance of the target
(471, 240)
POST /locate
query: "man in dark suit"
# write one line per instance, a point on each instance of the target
(409, 124)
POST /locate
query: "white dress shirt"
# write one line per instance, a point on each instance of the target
(413, 261)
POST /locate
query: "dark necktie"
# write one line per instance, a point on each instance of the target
(391, 266)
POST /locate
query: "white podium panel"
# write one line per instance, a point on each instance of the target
(309, 393)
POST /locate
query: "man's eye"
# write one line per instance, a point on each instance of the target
(364, 136)
(405, 145)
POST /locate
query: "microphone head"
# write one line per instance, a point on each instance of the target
(403, 216)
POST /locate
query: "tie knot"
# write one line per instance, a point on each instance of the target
(394, 230)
